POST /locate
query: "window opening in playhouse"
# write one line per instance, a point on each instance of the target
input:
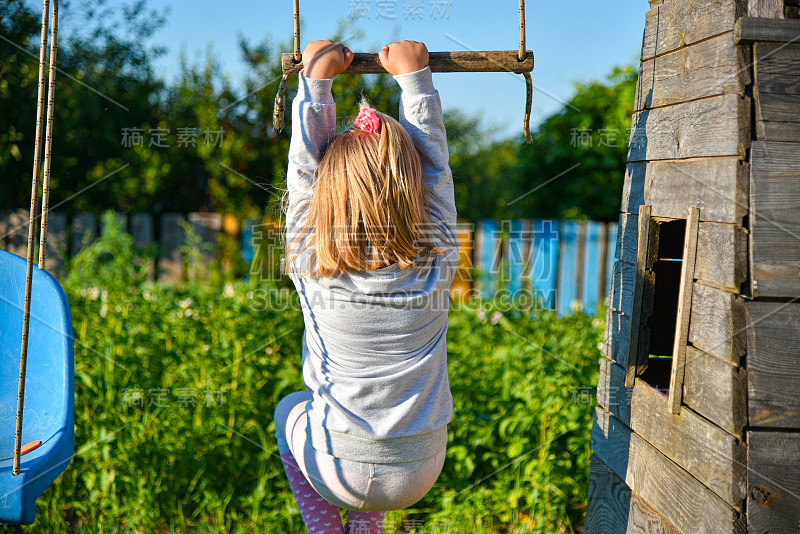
(660, 304)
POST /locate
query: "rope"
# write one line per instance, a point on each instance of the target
(522, 51)
(26, 313)
(277, 114)
(280, 96)
(48, 146)
(526, 120)
(297, 54)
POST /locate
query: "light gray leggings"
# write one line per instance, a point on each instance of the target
(347, 484)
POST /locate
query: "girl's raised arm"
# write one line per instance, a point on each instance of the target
(313, 125)
(421, 116)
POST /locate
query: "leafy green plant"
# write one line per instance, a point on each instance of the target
(176, 387)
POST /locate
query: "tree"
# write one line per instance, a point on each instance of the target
(513, 179)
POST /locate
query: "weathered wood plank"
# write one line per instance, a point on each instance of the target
(777, 67)
(773, 366)
(677, 23)
(777, 91)
(715, 126)
(722, 255)
(84, 231)
(56, 242)
(684, 310)
(636, 183)
(612, 393)
(569, 265)
(678, 496)
(609, 501)
(765, 8)
(717, 323)
(617, 334)
(613, 508)
(716, 389)
(461, 288)
(752, 29)
(773, 482)
(592, 265)
(171, 237)
(791, 9)
(455, 61)
(608, 262)
(622, 287)
(708, 68)
(141, 228)
(627, 237)
(710, 454)
(488, 243)
(207, 226)
(16, 234)
(637, 362)
(775, 219)
(516, 251)
(716, 186)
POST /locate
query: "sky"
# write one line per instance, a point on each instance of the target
(572, 41)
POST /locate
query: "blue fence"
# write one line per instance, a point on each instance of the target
(567, 264)
(564, 263)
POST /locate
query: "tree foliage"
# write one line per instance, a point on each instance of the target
(127, 140)
(513, 179)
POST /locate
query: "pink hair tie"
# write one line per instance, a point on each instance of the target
(368, 120)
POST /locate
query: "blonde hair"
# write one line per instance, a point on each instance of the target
(369, 208)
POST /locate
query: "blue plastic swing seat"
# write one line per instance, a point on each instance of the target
(49, 387)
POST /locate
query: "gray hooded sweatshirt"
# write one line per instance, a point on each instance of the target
(374, 349)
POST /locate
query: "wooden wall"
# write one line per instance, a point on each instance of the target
(717, 128)
(773, 316)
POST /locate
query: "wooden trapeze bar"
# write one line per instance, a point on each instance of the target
(459, 61)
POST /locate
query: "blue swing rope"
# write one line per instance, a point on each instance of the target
(23, 356)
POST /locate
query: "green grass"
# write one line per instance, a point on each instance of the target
(175, 390)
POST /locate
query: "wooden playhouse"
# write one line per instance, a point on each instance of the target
(698, 423)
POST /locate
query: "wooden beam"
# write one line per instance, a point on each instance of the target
(636, 364)
(627, 237)
(707, 452)
(676, 494)
(773, 482)
(684, 310)
(613, 508)
(775, 219)
(622, 279)
(715, 126)
(753, 29)
(708, 68)
(617, 334)
(777, 91)
(718, 186)
(722, 255)
(717, 324)
(677, 23)
(717, 390)
(773, 369)
(458, 61)
(765, 8)
(612, 393)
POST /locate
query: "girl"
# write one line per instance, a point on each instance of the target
(372, 250)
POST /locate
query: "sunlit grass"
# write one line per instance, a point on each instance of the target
(175, 390)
